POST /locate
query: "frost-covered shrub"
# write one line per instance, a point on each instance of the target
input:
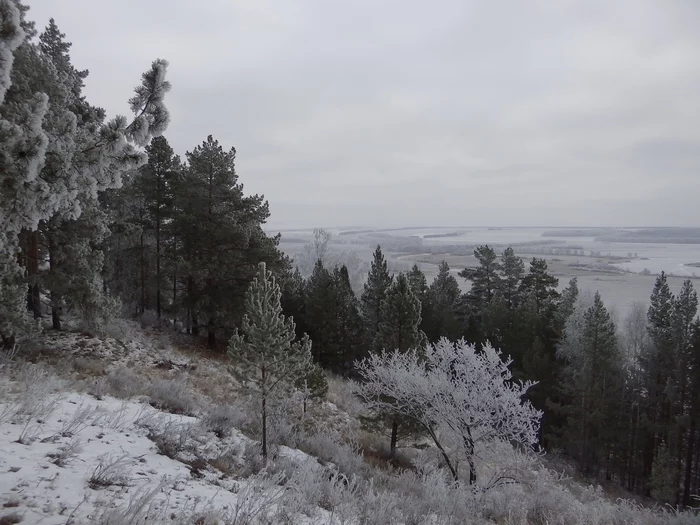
(124, 383)
(342, 393)
(121, 329)
(172, 395)
(221, 419)
(149, 319)
(329, 447)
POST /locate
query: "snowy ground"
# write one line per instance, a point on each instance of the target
(71, 454)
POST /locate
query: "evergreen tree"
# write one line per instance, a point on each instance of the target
(419, 286)
(567, 302)
(592, 387)
(223, 230)
(540, 285)
(443, 295)
(485, 279)
(312, 384)
(513, 270)
(294, 301)
(154, 182)
(266, 357)
(376, 286)
(320, 313)
(399, 331)
(657, 364)
(348, 324)
(57, 154)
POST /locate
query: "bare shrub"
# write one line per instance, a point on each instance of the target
(140, 509)
(78, 421)
(342, 393)
(112, 419)
(171, 438)
(65, 453)
(149, 319)
(89, 367)
(253, 460)
(258, 500)
(173, 396)
(120, 329)
(35, 402)
(330, 447)
(124, 383)
(221, 419)
(110, 471)
(11, 519)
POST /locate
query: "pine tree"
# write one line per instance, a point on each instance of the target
(419, 286)
(657, 363)
(320, 314)
(592, 387)
(57, 154)
(221, 228)
(540, 285)
(567, 302)
(313, 385)
(154, 182)
(399, 331)
(513, 270)
(378, 282)
(266, 357)
(443, 295)
(485, 279)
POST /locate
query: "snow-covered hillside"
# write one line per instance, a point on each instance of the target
(132, 430)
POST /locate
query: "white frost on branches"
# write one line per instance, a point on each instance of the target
(11, 36)
(461, 396)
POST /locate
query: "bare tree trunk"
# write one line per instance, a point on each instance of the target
(689, 463)
(55, 297)
(211, 333)
(143, 277)
(394, 439)
(264, 416)
(453, 470)
(32, 267)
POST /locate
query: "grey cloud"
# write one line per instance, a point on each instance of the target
(395, 112)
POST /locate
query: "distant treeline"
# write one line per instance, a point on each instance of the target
(441, 235)
(641, 235)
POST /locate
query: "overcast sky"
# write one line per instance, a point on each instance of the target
(406, 112)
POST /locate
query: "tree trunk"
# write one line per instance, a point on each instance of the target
(469, 447)
(689, 463)
(394, 438)
(264, 414)
(55, 298)
(174, 283)
(211, 333)
(143, 277)
(158, 181)
(32, 267)
(453, 470)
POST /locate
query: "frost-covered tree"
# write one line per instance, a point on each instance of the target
(57, 154)
(266, 356)
(312, 384)
(460, 396)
